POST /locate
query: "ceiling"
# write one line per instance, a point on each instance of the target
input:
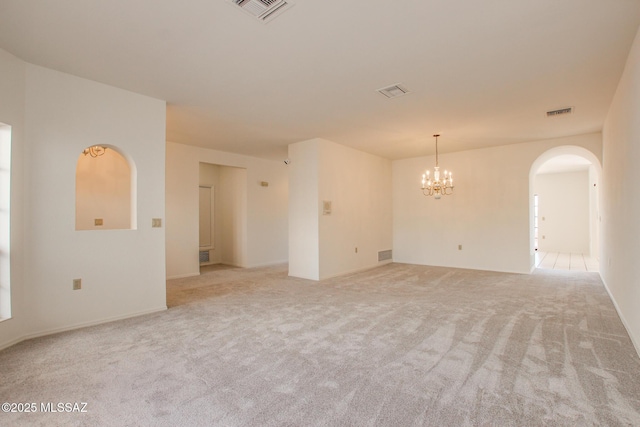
(481, 73)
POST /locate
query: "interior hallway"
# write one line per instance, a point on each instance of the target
(563, 261)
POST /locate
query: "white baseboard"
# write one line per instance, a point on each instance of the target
(634, 341)
(269, 264)
(357, 270)
(10, 343)
(183, 276)
(78, 326)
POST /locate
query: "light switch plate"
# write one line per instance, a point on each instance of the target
(156, 222)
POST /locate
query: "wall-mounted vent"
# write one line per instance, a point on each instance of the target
(385, 255)
(560, 112)
(263, 10)
(204, 257)
(394, 91)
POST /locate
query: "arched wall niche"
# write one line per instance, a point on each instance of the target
(105, 189)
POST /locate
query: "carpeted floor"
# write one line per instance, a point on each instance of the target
(400, 345)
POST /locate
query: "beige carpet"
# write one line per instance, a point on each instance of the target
(399, 345)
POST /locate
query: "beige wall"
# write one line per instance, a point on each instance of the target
(233, 216)
(489, 213)
(103, 190)
(620, 242)
(229, 234)
(304, 208)
(122, 271)
(264, 214)
(358, 185)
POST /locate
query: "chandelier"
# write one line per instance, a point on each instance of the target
(438, 186)
(94, 151)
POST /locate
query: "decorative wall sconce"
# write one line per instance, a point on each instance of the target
(94, 151)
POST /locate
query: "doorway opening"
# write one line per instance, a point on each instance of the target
(564, 187)
(222, 224)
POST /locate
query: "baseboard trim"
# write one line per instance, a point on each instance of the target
(183, 276)
(467, 267)
(635, 342)
(79, 326)
(357, 270)
(11, 343)
(269, 264)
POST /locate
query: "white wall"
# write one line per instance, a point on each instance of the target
(122, 271)
(563, 216)
(266, 207)
(595, 184)
(358, 185)
(619, 266)
(488, 214)
(304, 208)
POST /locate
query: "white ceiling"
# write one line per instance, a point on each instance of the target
(481, 73)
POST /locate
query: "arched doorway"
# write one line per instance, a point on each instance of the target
(564, 185)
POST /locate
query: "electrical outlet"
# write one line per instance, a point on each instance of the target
(98, 222)
(77, 284)
(459, 247)
(356, 249)
(156, 222)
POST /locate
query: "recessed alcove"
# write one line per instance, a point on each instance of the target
(105, 189)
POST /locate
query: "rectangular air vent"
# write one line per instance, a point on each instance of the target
(559, 112)
(394, 91)
(263, 10)
(384, 255)
(204, 257)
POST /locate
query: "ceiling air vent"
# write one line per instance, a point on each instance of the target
(394, 91)
(560, 112)
(263, 10)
